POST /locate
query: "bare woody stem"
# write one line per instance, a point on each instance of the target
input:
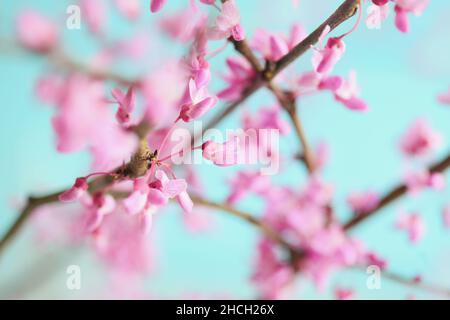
(344, 12)
(269, 232)
(394, 194)
(287, 101)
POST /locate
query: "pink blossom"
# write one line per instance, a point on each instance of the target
(136, 201)
(403, 7)
(446, 216)
(228, 23)
(412, 224)
(97, 207)
(444, 98)
(82, 99)
(95, 13)
(126, 104)
(245, 183)
(129, 8)
(344, 294)
(36, 32)
(75, 192)
(363, 202)
(48, 87)
(420, 139)
(240, 76)
(164, 188)
(266, 118)
(328, 250)
(273, 46)
(348, 93)
(272, 276)
(156, 5)
(199, 102)
(325, 58)
(121, 244)
(183, 24)
(221, 154)
(418, 180)
(376, 14)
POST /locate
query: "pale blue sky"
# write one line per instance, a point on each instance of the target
(400, 76)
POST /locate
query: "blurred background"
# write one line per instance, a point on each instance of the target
(400, 76)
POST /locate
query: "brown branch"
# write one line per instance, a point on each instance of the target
(64, 61)
(288, 103)
(413, 283)
(267, 230)
(344, 12)
(394, 195)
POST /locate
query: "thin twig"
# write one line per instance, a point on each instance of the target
(393, 195)
(344, 12)
(413, 283)
(289, 104)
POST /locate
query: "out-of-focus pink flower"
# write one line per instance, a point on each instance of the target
(228, 23)
(126, 104)
(416, 181)
(272, 276)
(273, 46)
(75, 192)
(200, 101)
(344, 294)
(373, 259)
(221, 154)
(403, 7)
(444, 98)
(412, 224)
(156, 5)
(329, 249)
(363, 202)
(240, 76)
(121, 244)
(420, 139)
(266, 118)
(129, 8)
(36, 32)
(95, 13)
(348, 93)
(376, 14)
(183, 24)
(47, 88)
(245, 183)
(80, 109)
(446, 216)
(98, 206)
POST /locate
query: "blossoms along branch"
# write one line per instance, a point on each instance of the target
(232, 147)
(148, 139)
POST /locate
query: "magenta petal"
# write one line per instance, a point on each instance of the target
(156, 197)
(156, 5)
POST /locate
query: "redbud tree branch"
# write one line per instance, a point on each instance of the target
(394, 194)
(263, 78)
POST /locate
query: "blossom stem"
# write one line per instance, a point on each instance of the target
(269, 232)
(179, 153)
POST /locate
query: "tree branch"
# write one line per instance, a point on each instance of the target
(344, 12)
(394, 195)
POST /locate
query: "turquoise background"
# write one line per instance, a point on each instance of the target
(400, 76)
